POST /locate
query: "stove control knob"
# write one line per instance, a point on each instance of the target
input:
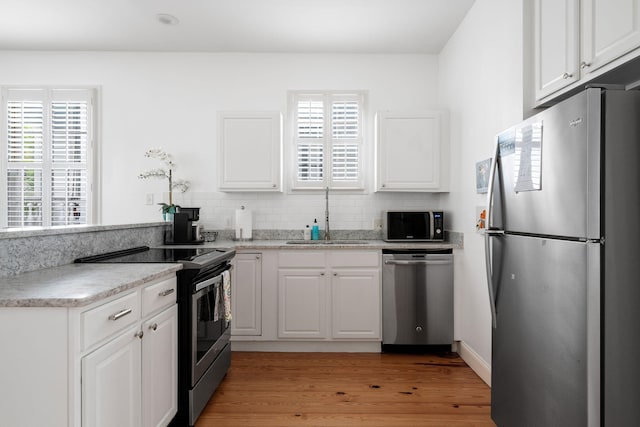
(418, 328)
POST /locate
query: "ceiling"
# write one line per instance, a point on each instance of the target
(300, 26)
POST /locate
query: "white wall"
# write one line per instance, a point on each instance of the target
(170, 100)
(481, 84)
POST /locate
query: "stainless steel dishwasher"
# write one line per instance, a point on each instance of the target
(417, 297)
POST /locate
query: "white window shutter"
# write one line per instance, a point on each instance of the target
(47, 153)
(24, 197)
(328, 140)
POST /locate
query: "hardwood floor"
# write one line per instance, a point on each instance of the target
(348, 389)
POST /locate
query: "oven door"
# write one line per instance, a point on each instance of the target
(210, 331)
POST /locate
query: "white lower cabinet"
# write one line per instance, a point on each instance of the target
(110, 363)
(330, 295)
(302, 303)
(246, 295)
(355, 302)
(160, 368)
(130, 380)
(111, 383)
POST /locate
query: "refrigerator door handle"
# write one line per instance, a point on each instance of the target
(492, 300)
(491, 232)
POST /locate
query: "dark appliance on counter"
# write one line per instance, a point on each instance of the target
(413, 226)
(204, 352)
(562, 263)
(417, 298)
(184, 231)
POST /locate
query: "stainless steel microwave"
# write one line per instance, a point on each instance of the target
(413, 226)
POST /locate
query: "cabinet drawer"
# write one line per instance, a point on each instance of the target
(304, 258)
(159, 295)
(354, 258)
(104, 320)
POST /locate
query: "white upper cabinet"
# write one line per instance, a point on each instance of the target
(250, 151)
(611, 28)
(556, 45)
(411, 154)
(576, 41)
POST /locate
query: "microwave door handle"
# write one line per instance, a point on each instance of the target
(431, 226)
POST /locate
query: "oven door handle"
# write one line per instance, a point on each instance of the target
(422, 262)
(213, 281)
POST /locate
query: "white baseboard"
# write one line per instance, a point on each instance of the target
(307, 346)
(475, 362)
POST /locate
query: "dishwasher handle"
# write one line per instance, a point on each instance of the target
(420, 262)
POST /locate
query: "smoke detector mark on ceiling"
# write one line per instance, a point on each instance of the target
(167, 19)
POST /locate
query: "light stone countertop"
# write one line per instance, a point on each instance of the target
(77, 285)
(320, 244)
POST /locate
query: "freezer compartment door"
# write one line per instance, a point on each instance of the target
(539, 350)
(557, 149)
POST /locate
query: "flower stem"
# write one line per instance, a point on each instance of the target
(170, 186)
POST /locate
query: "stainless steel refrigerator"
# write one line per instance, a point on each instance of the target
(563, 265)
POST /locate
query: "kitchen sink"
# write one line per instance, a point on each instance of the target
(327, 242)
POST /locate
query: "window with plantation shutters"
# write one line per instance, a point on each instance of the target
(47, 143)
(328, 140)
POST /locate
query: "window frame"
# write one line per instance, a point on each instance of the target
(327, 141)
(48, 94)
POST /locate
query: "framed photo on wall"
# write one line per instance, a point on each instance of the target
(482, 176)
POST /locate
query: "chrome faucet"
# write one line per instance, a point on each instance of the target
(327, 235)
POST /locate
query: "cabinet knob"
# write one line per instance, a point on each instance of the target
(567, 76)
(335, 274)
(257, 256)
(139, 334)
(585, 64)
(384, 185)
(322, 274)
(153, 327)
(274, 185)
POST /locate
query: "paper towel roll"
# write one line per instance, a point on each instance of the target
(243, 224)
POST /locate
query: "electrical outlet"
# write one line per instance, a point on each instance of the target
(377, 223)
(149, 198)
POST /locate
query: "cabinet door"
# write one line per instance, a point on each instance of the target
(611, 28)
(111, 383)
(409, 149)
(355, 297)
(160, 368)
(250, 151)
(302, 304)
(246, 295)
(556, 44)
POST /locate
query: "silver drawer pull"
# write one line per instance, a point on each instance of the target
(167, 292)
(120, 314)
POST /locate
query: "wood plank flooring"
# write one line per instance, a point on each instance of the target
(348, 389)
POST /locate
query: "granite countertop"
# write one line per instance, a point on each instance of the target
(321, 244)
(77, 285)
(341, 244)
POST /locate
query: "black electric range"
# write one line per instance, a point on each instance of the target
(190, 258)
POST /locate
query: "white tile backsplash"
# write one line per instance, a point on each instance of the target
(292, 211)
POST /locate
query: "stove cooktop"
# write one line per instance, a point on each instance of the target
(189, 257)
